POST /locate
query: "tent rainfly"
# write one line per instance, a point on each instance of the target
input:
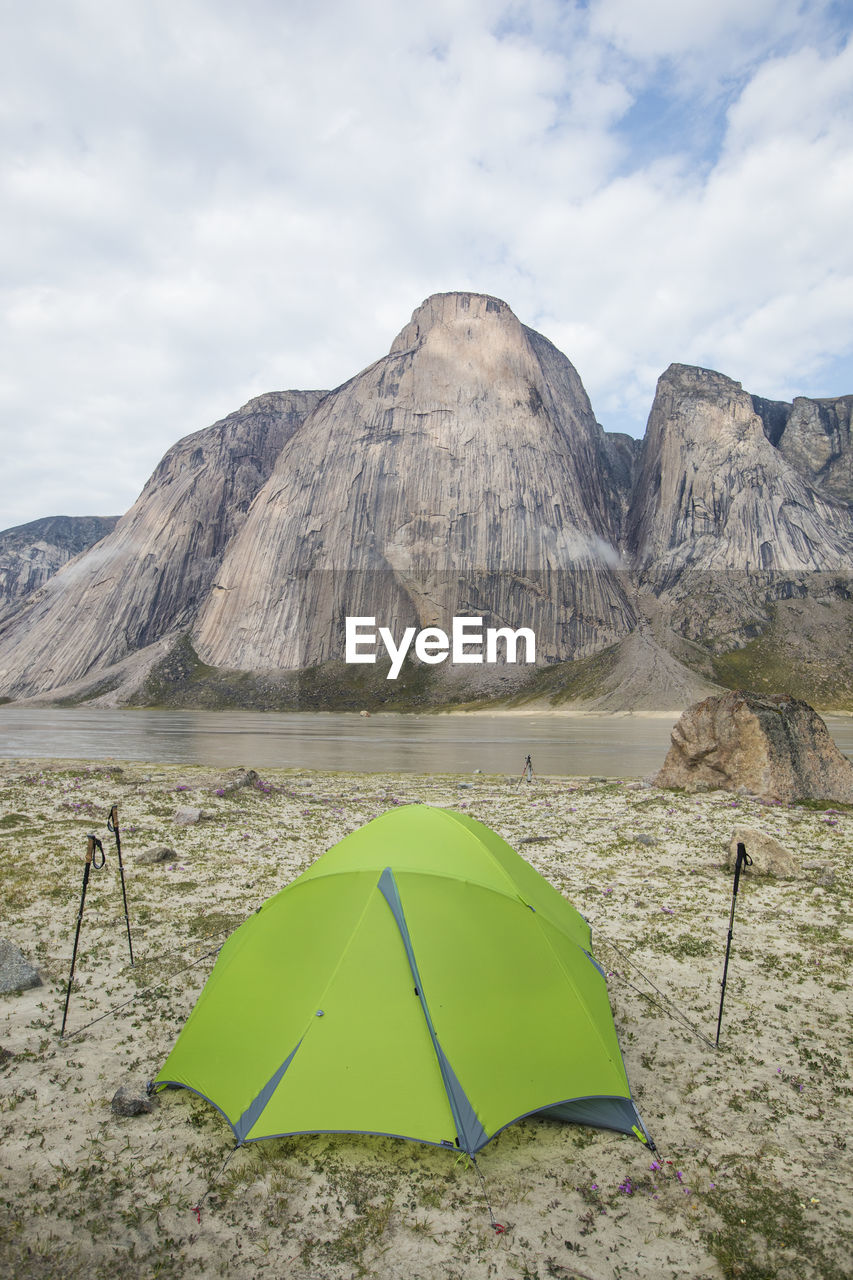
(419, 980)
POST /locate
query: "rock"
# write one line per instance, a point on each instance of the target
(131, 1100)
(774, 747)
(463, 466)
(159, 853)
(827, 880)
(146, 578)
(644, 838)
(464, 473)
(31, 553)
(16, 972)
(769, 856)
(186, 816)
(724, 524)
(6, 1056)
(238, 779)
(815, 436)
(715, 494)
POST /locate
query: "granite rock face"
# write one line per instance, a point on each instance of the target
(466, 474)
(777, 748)
(816, 438)
(714, 494)
(148, 577)
(31, 553)
(724, 523)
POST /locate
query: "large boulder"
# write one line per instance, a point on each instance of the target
(772, 746)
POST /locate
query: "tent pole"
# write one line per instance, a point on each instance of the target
(112, 825)
(743, 859)
(93, 847)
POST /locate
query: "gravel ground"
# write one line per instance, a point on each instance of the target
(753, 1171)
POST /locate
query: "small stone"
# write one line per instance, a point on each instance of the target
(238, 779)
(769, 856)
(187, 817)
(130, 1100)
(644, 838)
(160, 853)
(6, 1056)
(16, 972)
(827, 880)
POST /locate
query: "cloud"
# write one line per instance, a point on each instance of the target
(205, 202)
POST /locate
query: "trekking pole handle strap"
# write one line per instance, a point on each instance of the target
(743, 860)
(94, 848)
(112, 819)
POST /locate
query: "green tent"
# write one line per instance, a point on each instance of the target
(420, 980)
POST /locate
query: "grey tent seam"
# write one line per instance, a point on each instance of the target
(470, 1132)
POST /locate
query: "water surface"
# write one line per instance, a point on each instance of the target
(609, 746)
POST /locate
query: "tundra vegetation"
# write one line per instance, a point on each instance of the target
(752, 1177)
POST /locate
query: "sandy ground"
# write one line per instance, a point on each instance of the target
(753, 1172)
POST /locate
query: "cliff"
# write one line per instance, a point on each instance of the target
(31, 553)
(147, 578)
(464, 473)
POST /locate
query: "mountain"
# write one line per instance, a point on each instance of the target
(729, 532)
(31, 553)
(148, 577)
(714, 493)
(467, 475)
(464, 473)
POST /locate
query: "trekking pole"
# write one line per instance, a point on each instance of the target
(112, 825)
(743, 859)
(93, 849)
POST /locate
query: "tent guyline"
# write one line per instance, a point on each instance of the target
(110, 1013)
(669, 1007)
(420, 980)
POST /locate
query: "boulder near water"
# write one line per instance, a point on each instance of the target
(772, 746)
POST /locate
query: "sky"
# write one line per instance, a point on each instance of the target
(202, 201)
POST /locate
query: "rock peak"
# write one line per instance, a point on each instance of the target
(690, 377)
(451, 311)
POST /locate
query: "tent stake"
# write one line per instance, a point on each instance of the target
(743, 859)
(112, 825)
(92, 849)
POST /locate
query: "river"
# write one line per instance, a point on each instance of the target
(567, 745)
